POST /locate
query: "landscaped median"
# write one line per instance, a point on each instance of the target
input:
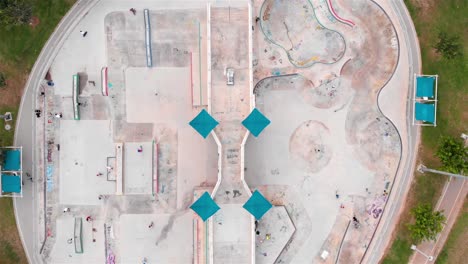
(441, 31)
(25, 26)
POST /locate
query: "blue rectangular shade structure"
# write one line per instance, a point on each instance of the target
(203, 123)
(12, 161)
(205, 207)
(425, 86)
(257, 205)
(425, 112)
(256, 122)
(11, 184)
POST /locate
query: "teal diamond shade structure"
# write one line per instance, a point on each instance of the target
(256, 122)
(257, 205)
(203, 123)
(205, 206)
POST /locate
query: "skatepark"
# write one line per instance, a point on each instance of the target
(152, 126)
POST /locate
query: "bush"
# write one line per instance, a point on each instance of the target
(428, 223)
(449, 46)
(453, 155)
(2, 80)
(15, 12)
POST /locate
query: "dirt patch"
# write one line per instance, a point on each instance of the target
(34, 22)
(425, 8)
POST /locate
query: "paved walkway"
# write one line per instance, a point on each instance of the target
(450, 202)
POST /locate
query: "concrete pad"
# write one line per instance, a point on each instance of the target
(197, 162)
(169, 241)
(232, 235)
(138, 168)
(156, 95)
(276, 229)
(84, 148)
(93, 252)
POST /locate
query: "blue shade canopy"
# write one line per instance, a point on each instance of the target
(425, 86)
(425, 112)
(203, 123)
(12, 160)
(11, 184)
(256, 122)
(205, 206)
(257, 205)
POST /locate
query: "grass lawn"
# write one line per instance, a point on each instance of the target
(431, 17)
(19, 48)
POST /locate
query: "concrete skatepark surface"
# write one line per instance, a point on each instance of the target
(327, 134)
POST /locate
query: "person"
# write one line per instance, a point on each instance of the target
(88, 218)
(140, 149)
(151, 225)
(83, 33)
(133, 10)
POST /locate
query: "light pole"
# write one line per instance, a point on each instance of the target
(430, 258)
(422, 169)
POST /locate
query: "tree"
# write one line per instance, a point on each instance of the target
(2, 80)
(453, 155)
(15, 12)
(428, 223)
(449, 46)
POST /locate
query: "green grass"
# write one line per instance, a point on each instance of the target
(455, 242)
(21, 45)
(11, 250)
(448, 16)
(19, 48)
(400, 252)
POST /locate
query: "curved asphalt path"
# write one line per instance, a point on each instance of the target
(26, 210)
(391, 215)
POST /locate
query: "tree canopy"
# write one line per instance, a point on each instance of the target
(15, 12)
(453, 155)
(428, 223)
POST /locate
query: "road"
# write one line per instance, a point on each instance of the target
(26, 211)
(398, 196)
(450, 203)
